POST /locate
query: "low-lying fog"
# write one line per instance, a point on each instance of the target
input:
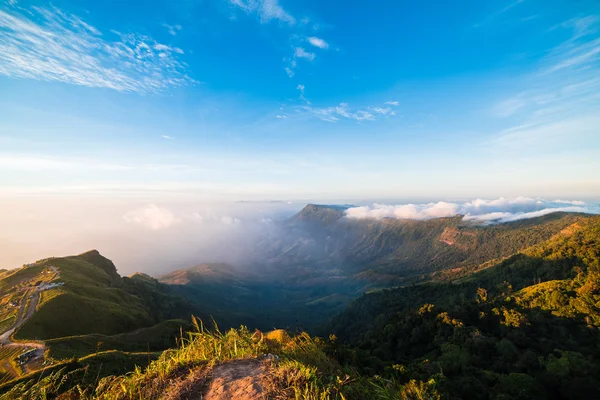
(159, 236)
(153, 237)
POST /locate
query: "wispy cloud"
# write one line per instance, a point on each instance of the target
(344, 112)
(508, 107)
(172, 29)
(581, 49)
(562, 98)
(498, 13)
(289, 71)
(318, 42)
(52, 45)
(267, 10)
(301, 53)
(167, 137)
(152, 217)
(578, 55)
(391, 103)
(548, 134)
(383, 110)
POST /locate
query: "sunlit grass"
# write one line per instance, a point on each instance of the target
(299, 368)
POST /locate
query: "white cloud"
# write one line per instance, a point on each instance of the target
(559, 104)
(508, 107)
(167, 137)
(545, 134)
(498, 13)
(172, 29)
(573, 202)
(343, 111)
(301, 53)
(392, 103)
(581, 49)
(152, 217)
(51, 45)
(318, 42)
(267, 10)
(578, 55)
(382, 110)
(500, 217)
(300, 88)
(481, 210)
(405, 211)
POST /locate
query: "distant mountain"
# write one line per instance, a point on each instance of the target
(320, 243)
(217, 273)
(325, 214)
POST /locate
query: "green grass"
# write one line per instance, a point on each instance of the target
(304, 371)
(158, 337)
(7, 355)
(87, 303)
(8, 321)
(25, 273)
(9, 352)
(48, 295)
(71, 313)
(73, 374)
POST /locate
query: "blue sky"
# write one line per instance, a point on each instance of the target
(261, 99)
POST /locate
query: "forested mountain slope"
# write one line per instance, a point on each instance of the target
(320, 243)
(527, 327)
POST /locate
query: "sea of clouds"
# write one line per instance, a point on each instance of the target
(479, 210)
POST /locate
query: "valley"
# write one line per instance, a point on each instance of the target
(390, 295)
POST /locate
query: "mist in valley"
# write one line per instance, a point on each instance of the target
(153, 237)
(157, 236)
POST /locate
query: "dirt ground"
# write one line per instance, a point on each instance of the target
(240, 379)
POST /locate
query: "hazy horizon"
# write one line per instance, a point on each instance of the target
(157, 236)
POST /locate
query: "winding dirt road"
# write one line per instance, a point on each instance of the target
(26, 310)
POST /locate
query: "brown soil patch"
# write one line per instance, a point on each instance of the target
(240, 379)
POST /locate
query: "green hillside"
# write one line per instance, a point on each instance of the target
(527, 327)
(95, 299)
(154, 338)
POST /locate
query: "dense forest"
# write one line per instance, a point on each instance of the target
(527, 328)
